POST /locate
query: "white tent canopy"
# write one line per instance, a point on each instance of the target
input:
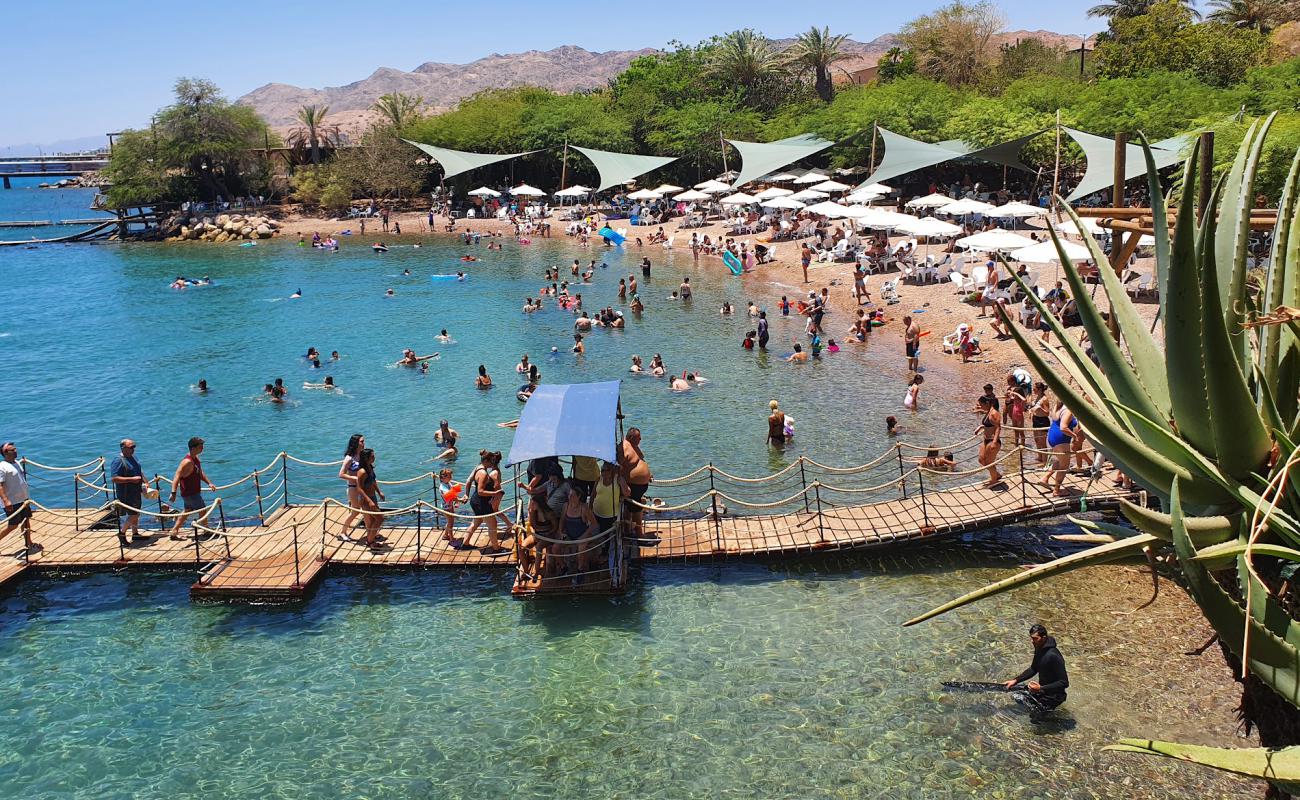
(782, 202)
(691, 196)
(775, 191)
(524, 190)
(738, 199)
(929, 201)
(831, 186)
(1016, 209)
(484, 191)
(929, 226)
(966, 206)
(619, 168)
(996, 239)
(809, 194)
(1045, 253)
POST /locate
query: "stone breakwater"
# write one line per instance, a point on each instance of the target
(221, 228)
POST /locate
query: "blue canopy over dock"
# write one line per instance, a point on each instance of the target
(579, 419)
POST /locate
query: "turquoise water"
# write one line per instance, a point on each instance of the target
(26, 201)
(784, 680)
(97, 347)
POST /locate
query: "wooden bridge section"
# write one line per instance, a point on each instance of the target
(284, 550)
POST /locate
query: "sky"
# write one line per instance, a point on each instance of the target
(104, 67)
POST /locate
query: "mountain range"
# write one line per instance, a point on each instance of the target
(563, 69)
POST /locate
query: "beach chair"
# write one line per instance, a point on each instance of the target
(668, 243)
(960, 281)
(1142, 287)
(889, 292)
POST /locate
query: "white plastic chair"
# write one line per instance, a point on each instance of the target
(889, 292)
(668, 244)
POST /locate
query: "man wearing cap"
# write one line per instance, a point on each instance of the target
(14, 495)
(128, 483)
(188, 476)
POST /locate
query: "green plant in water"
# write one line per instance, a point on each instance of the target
(1209, 427)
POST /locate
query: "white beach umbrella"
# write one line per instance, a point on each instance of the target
(644, 194)
(831, 186)
(782, 202)
(667, 188)
(738, 199)
(959, 208)
(729, 175)
(828, 209)
(929, 201)
(782, 178)
(524, 190)
(713, 187)
(929, 226)
(1016, 209)
(863, 196)
(484, 191)
(810, 177)
(809, 194)
(996, 239)
(879, 188)
(691, 196)
(775, 191)
(880, 218)
(573, 191)
(1045, 253)
(1068, 227)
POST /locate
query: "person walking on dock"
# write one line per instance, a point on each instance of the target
(189, 475)
(1048, 691)
(14, 495)
(128, 485)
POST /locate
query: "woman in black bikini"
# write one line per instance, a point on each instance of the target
(371, 494)
(1041, 419)
(485, 492)
(991, 427)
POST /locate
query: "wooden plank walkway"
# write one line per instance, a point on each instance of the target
(269, 563)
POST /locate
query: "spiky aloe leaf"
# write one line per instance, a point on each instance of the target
(1204, 530)
(1271, 659)
(1241, 442)
(1281, 766)
(1232, 237)
(1095, 555)
(1128, 389)
(1159, 218)
(1224, 555)
(1131, 455)
(1282, 286)
(1208, 489)
(1181, 308)
(1148, 361)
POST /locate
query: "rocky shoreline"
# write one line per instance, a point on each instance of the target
(221, 228)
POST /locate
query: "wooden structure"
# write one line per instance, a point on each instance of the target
(282, 550)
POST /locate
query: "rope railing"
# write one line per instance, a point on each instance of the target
(27, 462)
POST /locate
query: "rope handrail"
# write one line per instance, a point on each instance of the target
(307, 463)
(784, 501)
(877, 488)
(877, 461)
(68, 512)
(202, 513)
(93, 462)
(953, 446)
(666, 508)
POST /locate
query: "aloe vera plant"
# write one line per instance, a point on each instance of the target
(1207, 424)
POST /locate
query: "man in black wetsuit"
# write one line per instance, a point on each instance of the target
(1048, 691)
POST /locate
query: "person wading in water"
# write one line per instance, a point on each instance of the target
(1048, 691)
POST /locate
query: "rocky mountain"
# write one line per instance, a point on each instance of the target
(563, 69)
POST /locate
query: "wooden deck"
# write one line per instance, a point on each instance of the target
(285, 558)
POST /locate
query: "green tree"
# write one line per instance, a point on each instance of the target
(381, 165)
(1262, 15)
(747, 60)
(695, 132)
(1127, 9)
(816, 51)
(915, 107)
(896, 63)
(136, 172)
(1167, 39)
(313, 130)
(954, 44)
(397, 110)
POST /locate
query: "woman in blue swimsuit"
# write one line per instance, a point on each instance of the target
(1061, 433)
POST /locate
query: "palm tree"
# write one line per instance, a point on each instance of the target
(1262, 15)
(312, 118)
(746, 59)
(816, 51)
(1124, 9)
(398, 110)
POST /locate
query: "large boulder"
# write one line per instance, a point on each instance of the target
(247, 231)
(264, 232)
(222, 219)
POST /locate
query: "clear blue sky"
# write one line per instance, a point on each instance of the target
(66, 84)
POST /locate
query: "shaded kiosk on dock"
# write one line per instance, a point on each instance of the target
(567, 421)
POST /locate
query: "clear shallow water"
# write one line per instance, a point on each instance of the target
(26, 201)
(747, 681)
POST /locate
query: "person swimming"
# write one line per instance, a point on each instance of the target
(296, 295)
(657, 368)
(446, 437)
(410, 359)
(460, 276)
(443, 336)
(636, 365)
(202, 387)
(407, 271)
(389, 293)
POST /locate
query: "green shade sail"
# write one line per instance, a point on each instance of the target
(454, 162)
(758, 158)
(619, 168)
(904, 155)
(1100, 152)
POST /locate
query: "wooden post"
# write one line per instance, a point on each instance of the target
(803, 479)
(1206, 177)
(1056, 169)
(871, 164)
(717, 523)
(902, 481)
(724, 151)
(1118, 253)
(564, 166)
